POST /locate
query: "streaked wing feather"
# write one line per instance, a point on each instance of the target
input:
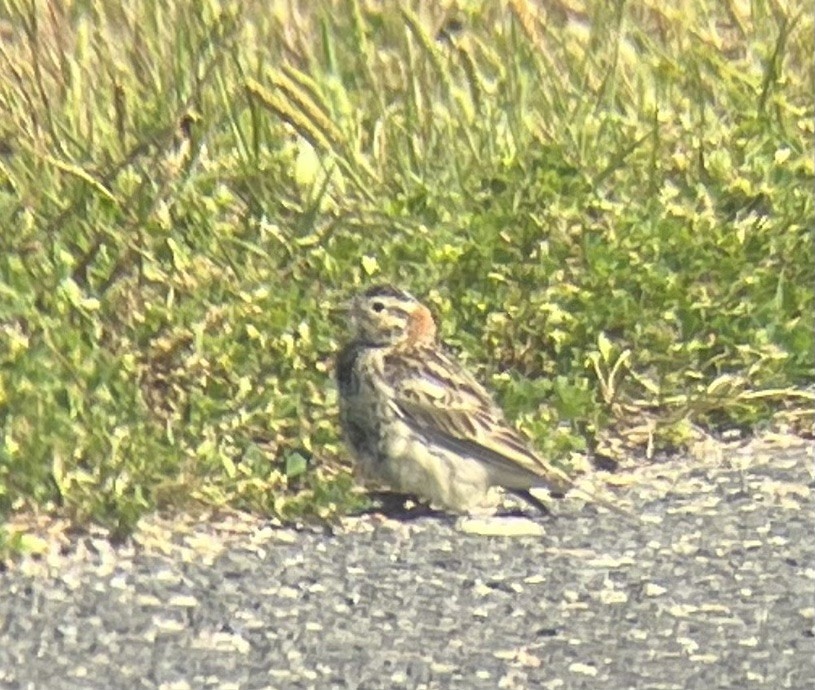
(441, 400)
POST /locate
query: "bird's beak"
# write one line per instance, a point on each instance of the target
(342, 310)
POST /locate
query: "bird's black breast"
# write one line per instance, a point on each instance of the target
(345, 369)
(359, 426)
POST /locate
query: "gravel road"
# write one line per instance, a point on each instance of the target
(714, 589)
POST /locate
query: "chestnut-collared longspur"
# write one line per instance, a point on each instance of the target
(418, 421)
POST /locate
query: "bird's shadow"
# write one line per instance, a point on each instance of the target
(407, 508)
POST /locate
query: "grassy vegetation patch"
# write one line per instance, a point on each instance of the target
(609, 206)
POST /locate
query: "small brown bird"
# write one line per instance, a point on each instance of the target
(415, 419)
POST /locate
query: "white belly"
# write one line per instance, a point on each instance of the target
(435, 474)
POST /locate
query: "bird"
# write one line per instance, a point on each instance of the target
(418, 421)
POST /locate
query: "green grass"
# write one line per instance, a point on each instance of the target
(609, 206)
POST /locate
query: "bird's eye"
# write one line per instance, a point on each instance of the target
(377, 307)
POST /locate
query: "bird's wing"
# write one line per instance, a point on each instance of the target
(439, 399)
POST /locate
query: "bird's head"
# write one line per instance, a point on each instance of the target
(386, 316)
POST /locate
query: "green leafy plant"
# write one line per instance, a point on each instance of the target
(609, 206)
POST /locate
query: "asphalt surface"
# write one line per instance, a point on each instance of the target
(714, 589)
